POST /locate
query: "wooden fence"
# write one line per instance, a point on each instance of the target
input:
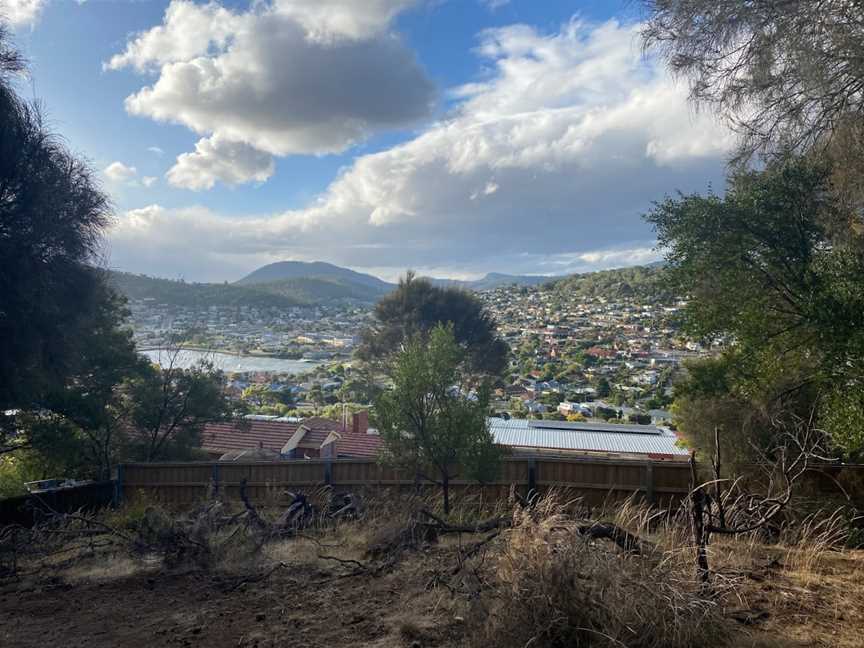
(27, 510)
(183, 484)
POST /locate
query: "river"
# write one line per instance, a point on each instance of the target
(229, 362)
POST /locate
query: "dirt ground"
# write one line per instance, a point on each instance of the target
(292, 596)
(291, 607)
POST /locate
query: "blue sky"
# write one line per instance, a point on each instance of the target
(455, 137)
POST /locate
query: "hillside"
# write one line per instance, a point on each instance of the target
(493, 280)
(290, 270)
(198, 295)
(317, 290)
(274, 286)
(645, 282)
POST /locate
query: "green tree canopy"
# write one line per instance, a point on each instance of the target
(765, 277)
(416, 307)
(52, 216)
(428, 423)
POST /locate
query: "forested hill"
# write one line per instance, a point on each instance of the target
(285, 271)
(277, 294)
(645, 282)
(197, 295)
(640, 281)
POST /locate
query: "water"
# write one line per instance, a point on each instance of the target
(228, 362)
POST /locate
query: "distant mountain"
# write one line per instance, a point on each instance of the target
(319, 290)
(494, 280)
(198, 295)
(295, 283)
(285, 270)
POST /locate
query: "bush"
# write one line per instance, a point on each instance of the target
(554, 587)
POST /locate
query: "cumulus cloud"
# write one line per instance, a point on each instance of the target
(149, 181)
(545, 166)
(119, 172)
(19, 13)
(155, 150)
(285, 77)
(216, 159)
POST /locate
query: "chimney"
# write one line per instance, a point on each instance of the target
(360, 422)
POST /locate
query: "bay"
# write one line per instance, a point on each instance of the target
(229, 362)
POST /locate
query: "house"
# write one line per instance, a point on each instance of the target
(269, 438)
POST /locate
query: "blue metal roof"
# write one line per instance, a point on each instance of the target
(588, 437)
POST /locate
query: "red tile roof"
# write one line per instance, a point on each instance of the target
(358, 445)
(246, 435)
(251, 434)
(318, 429)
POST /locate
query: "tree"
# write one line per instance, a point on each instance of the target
(429, 422)
(92, 401)
(169, 407)
(416, 307)
(764, 275)
(53, 301)
(52, 216)
(785, 74)
(603, 388)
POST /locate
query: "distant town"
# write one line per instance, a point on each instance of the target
(602, 345)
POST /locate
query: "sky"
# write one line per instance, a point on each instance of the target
(452, 137)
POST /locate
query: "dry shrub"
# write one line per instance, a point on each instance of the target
(550, 586)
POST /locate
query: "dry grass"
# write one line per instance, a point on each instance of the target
(551, 586)
(539, 583)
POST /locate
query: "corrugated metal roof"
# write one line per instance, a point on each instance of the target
(589, 437)
(595, 427)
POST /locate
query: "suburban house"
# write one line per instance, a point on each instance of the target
(271, 438)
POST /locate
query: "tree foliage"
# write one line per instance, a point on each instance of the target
(785, 75)
(428, 422)
(416, 307)
(765, 277)
(52, 216)
(169, 407)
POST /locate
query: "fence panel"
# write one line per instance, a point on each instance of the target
(26, 510)
(184, 484)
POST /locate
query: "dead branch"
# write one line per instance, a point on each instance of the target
(628, 542)
(443, 526)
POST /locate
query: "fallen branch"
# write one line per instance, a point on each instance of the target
(443, 526)
(257, 579)
(607, 531)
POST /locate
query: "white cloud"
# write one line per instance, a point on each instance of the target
(215, 159)
(119, 172)
(547, 163)
(19, 13)
(285, 77)
(149, 181)
(492, 5)
(155, 150)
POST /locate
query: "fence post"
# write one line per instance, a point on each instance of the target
(648, 482)
(118, 486)
(214, 476)
(328, 472)
(532, 475)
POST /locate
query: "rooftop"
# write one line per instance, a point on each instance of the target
(585, 437)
